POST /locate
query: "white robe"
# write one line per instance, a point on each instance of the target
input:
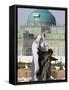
(35, 65)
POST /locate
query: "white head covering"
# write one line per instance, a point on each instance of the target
(38, 38)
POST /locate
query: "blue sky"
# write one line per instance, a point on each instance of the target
(24, 13)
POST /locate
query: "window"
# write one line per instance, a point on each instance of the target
(28, 51)
(61, 51)
(19, 51)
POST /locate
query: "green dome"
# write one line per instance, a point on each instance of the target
(42, 16)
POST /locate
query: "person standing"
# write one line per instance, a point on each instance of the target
(42, 44)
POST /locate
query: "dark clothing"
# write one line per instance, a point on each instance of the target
(43, 68)
(44, 61)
